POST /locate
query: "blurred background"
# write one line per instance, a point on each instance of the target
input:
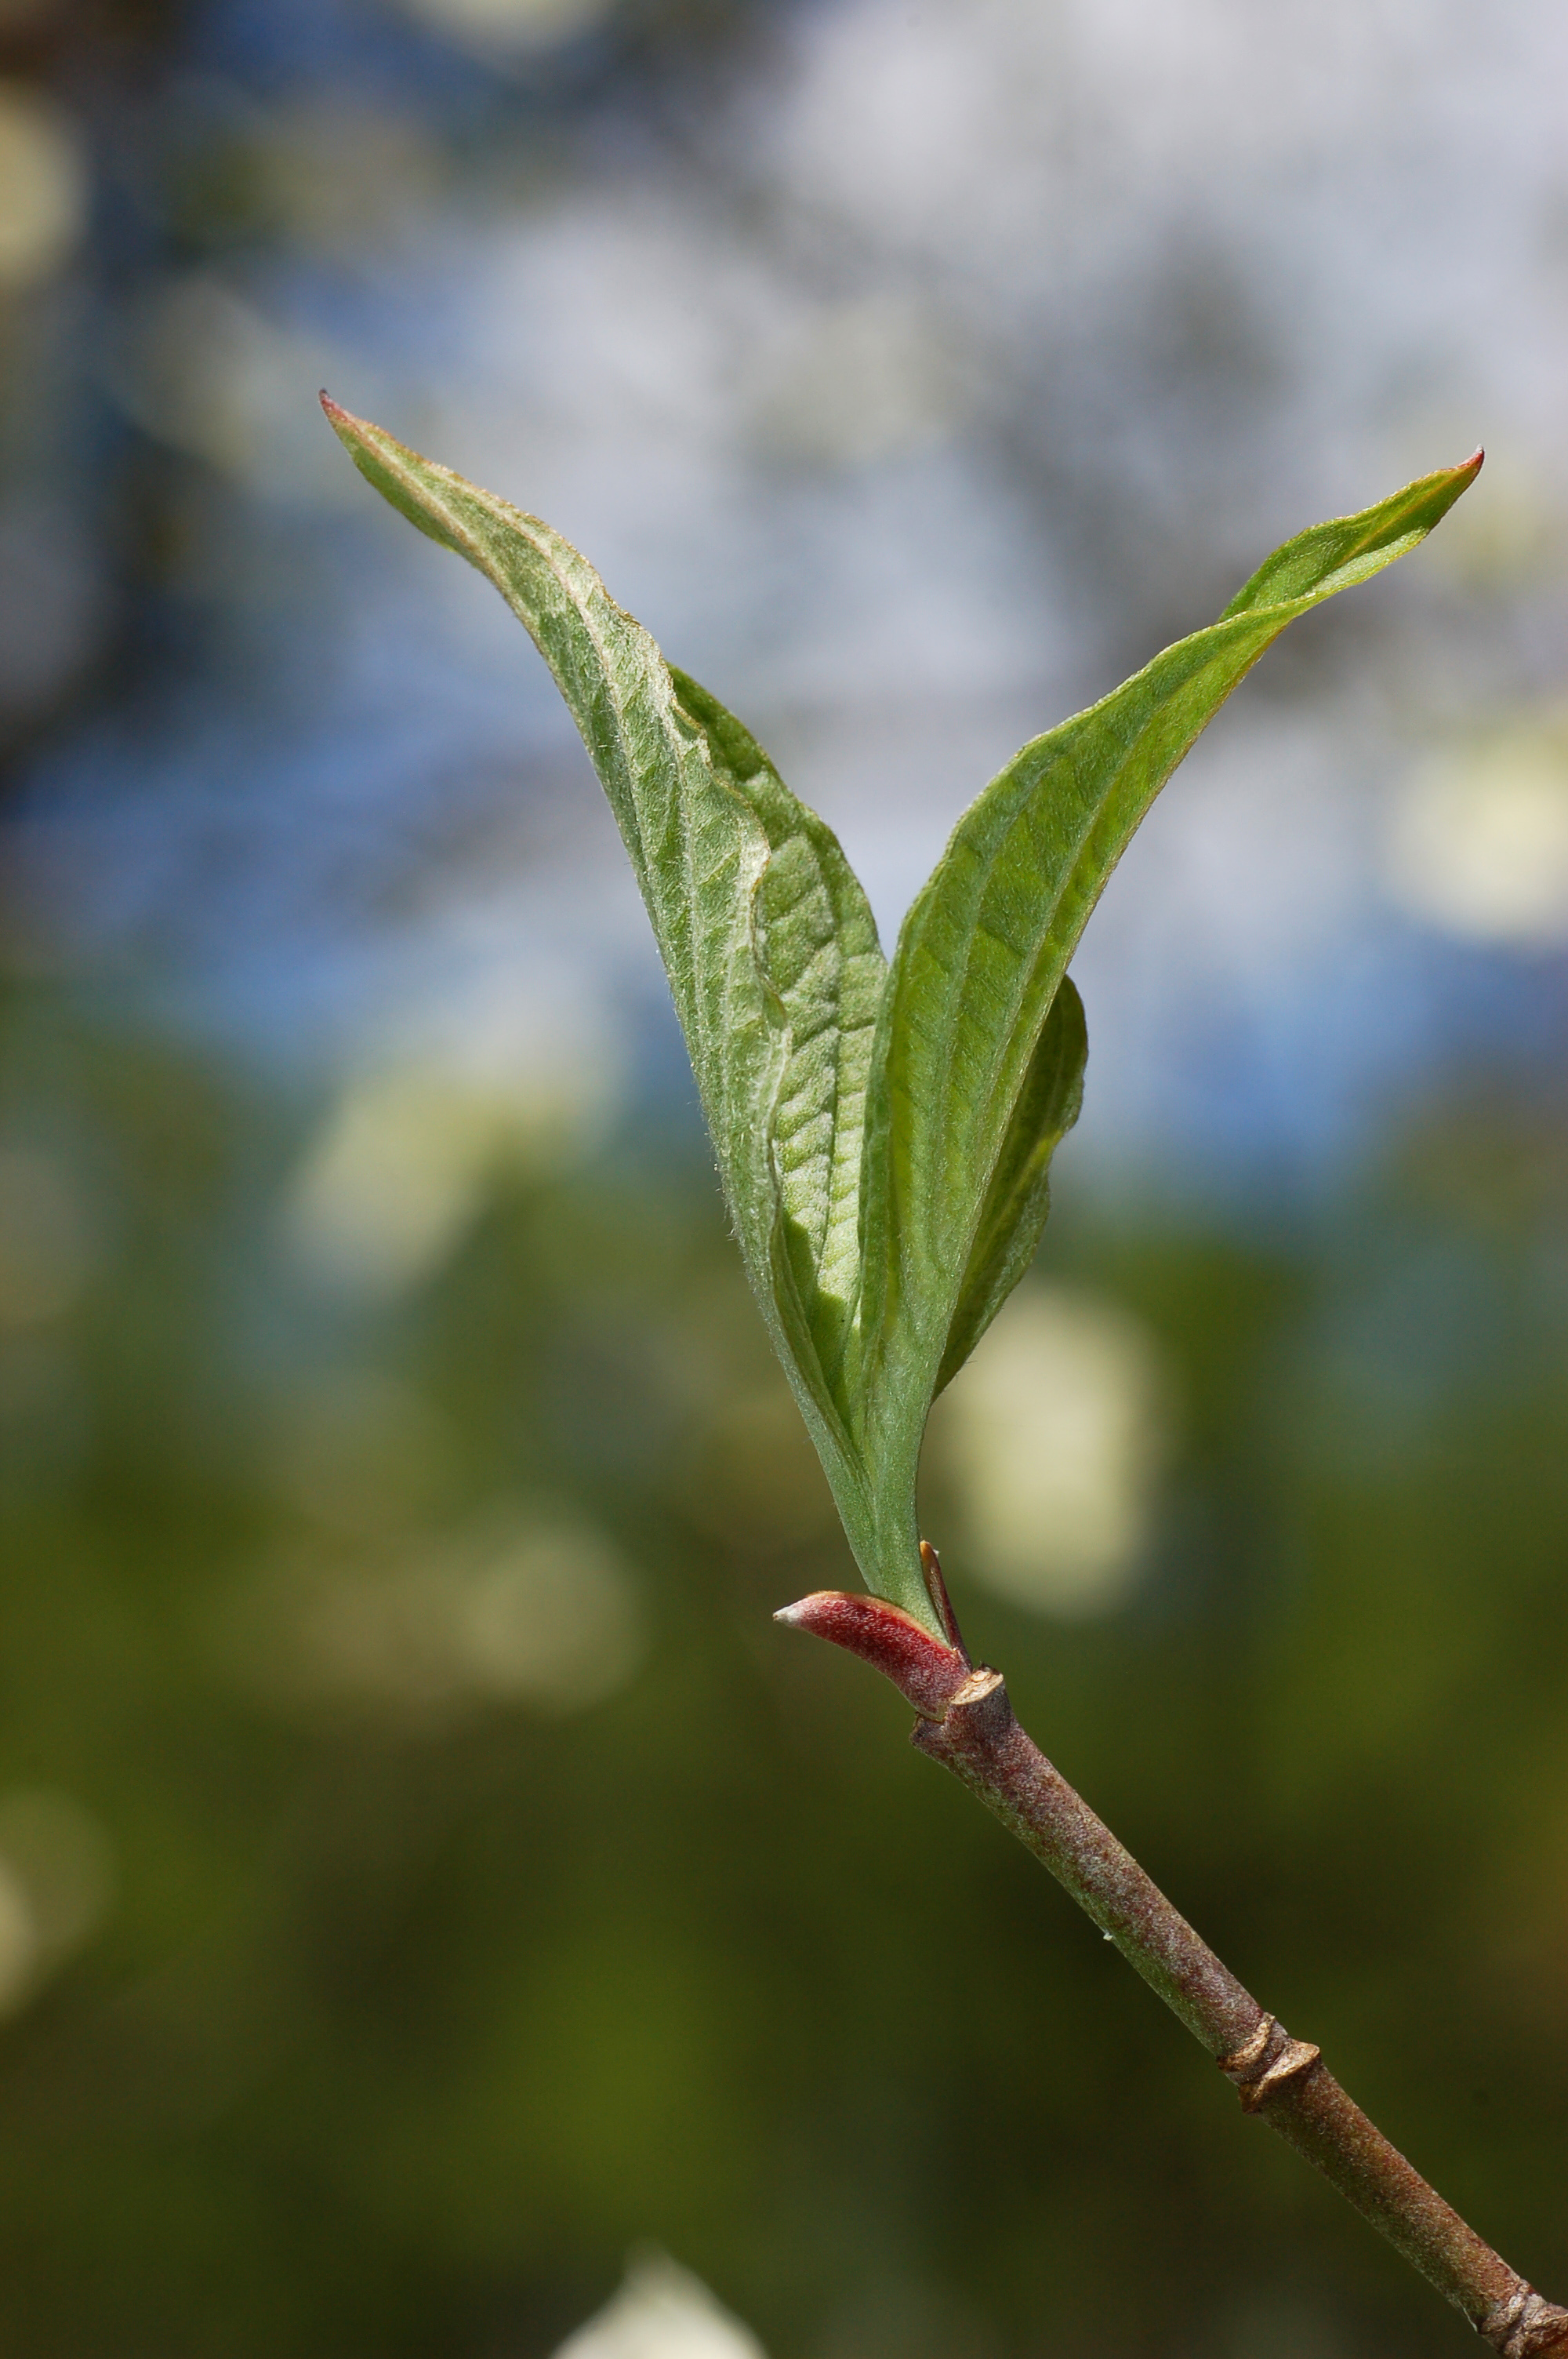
(426, 1874)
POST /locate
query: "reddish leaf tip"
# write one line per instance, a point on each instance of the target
(1472, 465)
(337, 415)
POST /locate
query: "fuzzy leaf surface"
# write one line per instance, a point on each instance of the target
(766, 937)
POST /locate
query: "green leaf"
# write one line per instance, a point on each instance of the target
(766, 936)
(979, 964)
(1019, 1197)
(883, 1136)
(816, 945)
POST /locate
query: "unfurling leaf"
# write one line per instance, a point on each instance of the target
(767, 938)
(883, 1134)
(981, 958)
(1019, 1197)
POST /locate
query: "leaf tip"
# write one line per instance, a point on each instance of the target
(416, 489)
(344, 424)
(1472, 465)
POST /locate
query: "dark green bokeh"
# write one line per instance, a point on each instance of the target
(414, 2009)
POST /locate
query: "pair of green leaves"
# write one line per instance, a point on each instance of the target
(883, 1131)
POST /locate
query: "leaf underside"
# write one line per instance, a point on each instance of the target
(883, 1133)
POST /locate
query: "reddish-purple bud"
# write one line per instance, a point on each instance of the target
(922, 1668)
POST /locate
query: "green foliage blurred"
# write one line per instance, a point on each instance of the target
(424, 1871)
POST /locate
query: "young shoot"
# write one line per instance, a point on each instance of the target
(885, 1129)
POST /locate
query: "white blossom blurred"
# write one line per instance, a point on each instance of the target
(1053, 1438)
(1477, 840)
(662, 2312)
(43, 188)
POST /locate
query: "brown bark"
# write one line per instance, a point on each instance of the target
(967, 1722)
